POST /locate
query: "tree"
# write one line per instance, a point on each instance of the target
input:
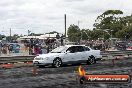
(84, 34)
(2, 36)
(111, 20)
(15, 36)
(95, 34)
(74, 33)
(126, 31)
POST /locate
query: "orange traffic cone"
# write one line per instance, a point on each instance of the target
(34, 70)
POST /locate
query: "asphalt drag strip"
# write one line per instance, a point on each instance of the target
(63, 77)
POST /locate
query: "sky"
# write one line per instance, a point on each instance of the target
(42, 16)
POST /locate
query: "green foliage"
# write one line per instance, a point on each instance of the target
(15, 36)
(110, 23)
(124, 32)
(85, 34)
(113, 12)
(126, 27)
(2, 36)
(95, 34)
(74, 33)
(109, 20)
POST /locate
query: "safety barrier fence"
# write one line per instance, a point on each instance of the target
(116, 54)
(16, 59)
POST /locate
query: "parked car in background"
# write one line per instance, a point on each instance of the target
(129, 45)
(121, 45)
(68, 54)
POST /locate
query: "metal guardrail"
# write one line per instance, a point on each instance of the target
(15, 59)
(113, 54)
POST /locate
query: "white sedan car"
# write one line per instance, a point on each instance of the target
(68, 54)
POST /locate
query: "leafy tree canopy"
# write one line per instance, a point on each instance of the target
(74, 33)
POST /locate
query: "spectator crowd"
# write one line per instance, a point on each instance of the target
(37, 46)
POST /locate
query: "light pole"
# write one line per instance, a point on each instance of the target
(65, 23)
(29, 32)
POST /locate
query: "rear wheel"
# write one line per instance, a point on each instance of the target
(57, 62)
(91, 60)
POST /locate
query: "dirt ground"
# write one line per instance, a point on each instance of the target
(63, 77)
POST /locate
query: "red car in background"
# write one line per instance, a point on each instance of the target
(130, 45)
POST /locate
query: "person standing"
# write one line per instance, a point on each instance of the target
(47, 48)
(0, 48)
(62, 40)
(31, 46)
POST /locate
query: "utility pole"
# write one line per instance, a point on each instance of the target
(28, 32)
(78, 23)
(65, 25)
(10, 34)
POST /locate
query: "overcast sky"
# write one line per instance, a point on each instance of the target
(42, 16)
